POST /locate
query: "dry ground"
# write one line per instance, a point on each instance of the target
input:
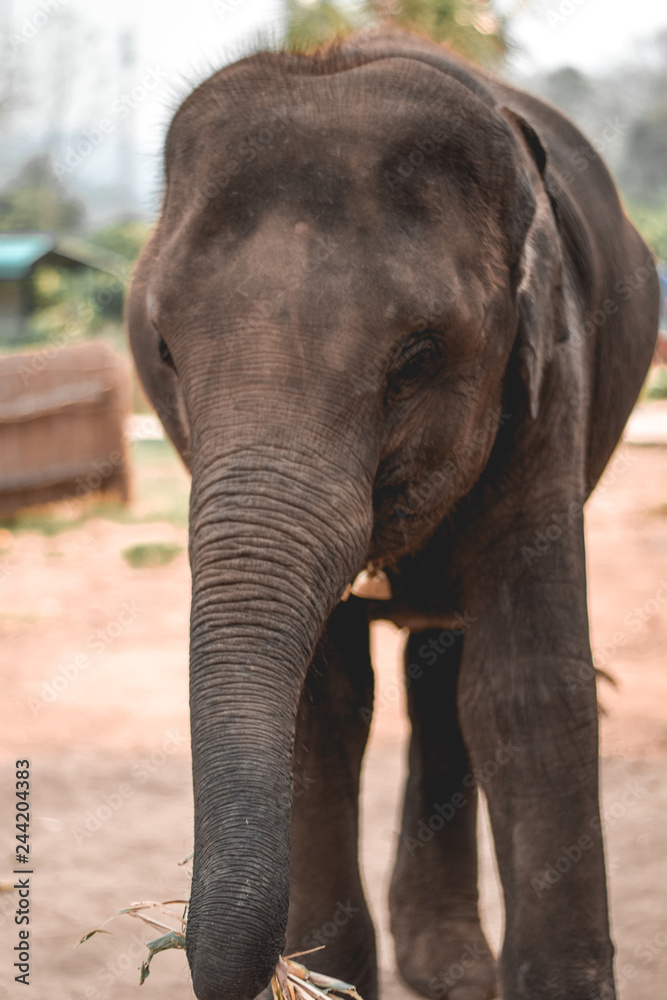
(94, 668)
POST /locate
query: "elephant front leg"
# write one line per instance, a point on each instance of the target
(440, 946)
(527, 681)
(328, 908)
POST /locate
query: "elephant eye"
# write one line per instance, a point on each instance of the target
(416, 357)
(165, 353)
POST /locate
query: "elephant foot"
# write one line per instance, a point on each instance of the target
(448, 961)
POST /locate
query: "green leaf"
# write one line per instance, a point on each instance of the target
(86, 937)
(328, 983)
(171, 940)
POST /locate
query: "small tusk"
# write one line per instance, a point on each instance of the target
(373, 584)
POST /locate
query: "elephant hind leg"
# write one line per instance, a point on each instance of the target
(441, 950)
(327, 908)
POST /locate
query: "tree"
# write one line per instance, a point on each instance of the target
(126, 237)
(643, 173)
(570, 90)
(37, 200)
(471, 27)
(312, 24)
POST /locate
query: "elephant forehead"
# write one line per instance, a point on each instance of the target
(290, 273)
(336, 149)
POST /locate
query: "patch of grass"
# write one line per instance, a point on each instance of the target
(290, 981)
(52, 519)
(161, 493)
(153, 452)
(48, 521)
(150, 554)
(18, 618)
(162, 498)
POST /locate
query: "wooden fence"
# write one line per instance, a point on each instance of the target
(62, 419)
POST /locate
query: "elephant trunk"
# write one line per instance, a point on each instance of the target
(273, 540)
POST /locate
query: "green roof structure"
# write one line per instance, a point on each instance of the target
(19, 252)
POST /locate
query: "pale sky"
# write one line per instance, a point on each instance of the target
(584, 33)
(186, 35)
(588, 34)
(177, 44)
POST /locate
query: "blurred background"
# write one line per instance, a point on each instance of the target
(94, 578)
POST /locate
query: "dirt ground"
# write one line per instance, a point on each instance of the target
(94, 671)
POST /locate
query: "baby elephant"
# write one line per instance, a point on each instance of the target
(394, 319)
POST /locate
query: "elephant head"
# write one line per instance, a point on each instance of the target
(350, 262)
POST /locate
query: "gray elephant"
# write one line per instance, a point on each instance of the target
(394, 318)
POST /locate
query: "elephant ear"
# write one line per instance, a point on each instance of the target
(540, 300)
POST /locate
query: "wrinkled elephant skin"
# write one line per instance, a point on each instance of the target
(384, 318)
